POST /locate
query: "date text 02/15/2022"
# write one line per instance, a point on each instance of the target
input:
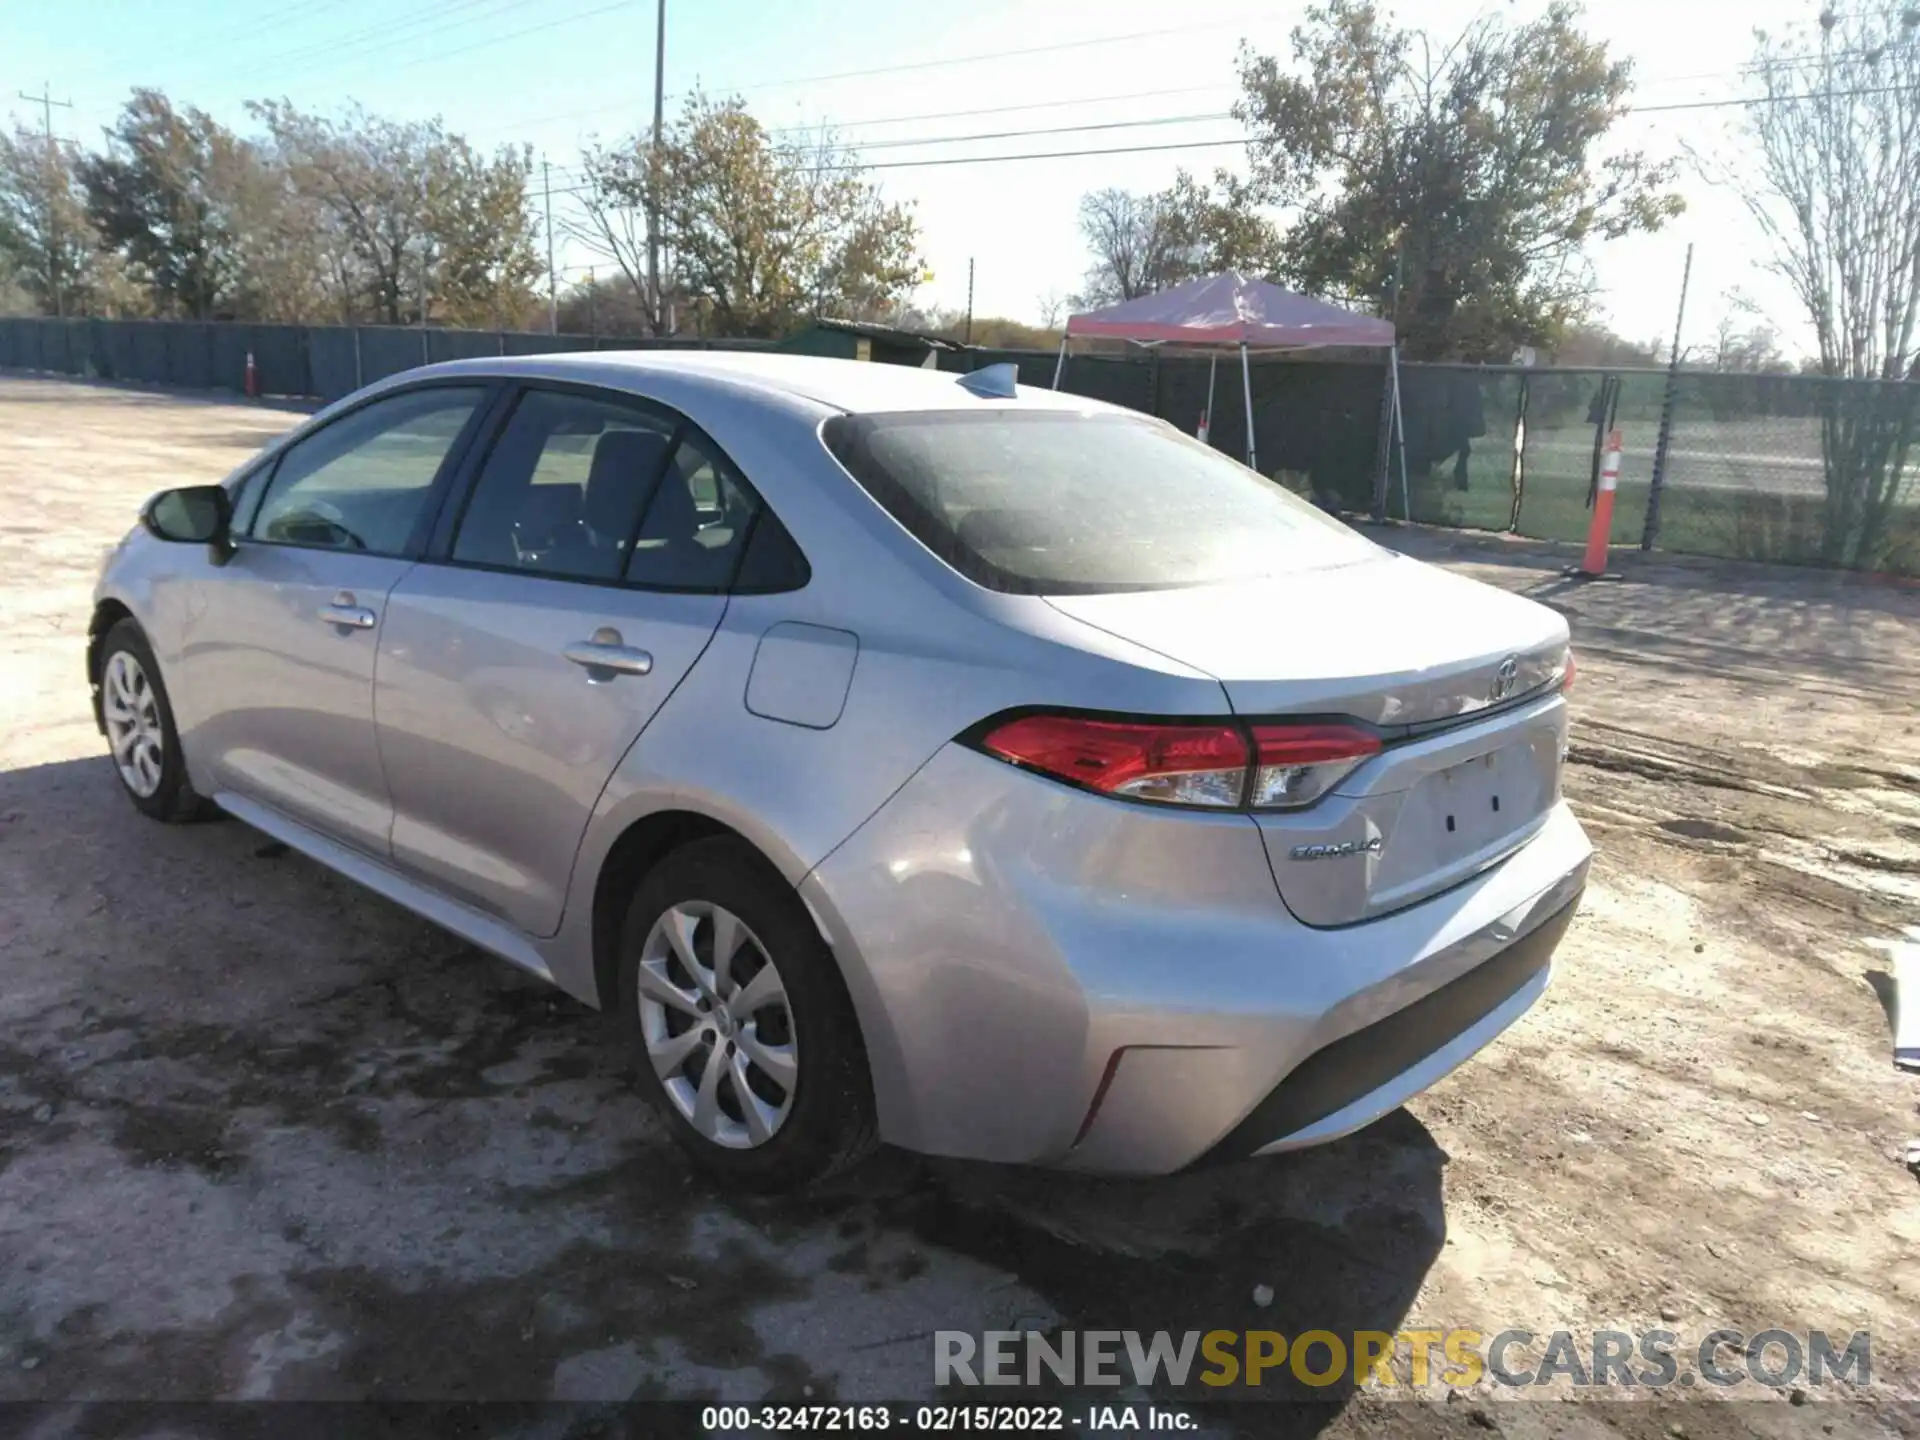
(939, 1419)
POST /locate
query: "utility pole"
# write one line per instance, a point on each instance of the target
(553, 293)
(1390, 416)
(426, 351)
(46, 103)
(969, 300)
(593, 307)
(653, 208)
(1651, 531)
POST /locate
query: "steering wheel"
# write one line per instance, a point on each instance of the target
(326, 510)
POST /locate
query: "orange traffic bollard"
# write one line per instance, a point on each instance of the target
(1594, 566)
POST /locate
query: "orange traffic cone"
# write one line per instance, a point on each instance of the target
(1594, 565)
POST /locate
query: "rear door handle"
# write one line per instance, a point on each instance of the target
(344, 612)
(607, 655)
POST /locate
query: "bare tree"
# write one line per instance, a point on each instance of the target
(1053, 309)
(1836, 128)
(611, 220)
(1133, 239)
(1745, 342)
(1143, 243)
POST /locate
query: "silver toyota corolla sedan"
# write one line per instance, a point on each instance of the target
(900, 756)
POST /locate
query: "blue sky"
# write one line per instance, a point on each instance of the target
(554, 73)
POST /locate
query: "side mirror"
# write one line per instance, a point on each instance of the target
(192, 515)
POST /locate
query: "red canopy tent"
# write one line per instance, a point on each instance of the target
(1233, 311)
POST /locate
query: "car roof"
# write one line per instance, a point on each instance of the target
(849, 385)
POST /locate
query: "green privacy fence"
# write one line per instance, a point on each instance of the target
(1765, 467)
(319, 362)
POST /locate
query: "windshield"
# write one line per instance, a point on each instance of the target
(1056, 502)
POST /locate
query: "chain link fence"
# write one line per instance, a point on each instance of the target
(1763, 467)
(1792, 468)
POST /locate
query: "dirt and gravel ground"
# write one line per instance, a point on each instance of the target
(264, 1135)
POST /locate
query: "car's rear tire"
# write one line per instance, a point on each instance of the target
(141, 735)
(738, 1024)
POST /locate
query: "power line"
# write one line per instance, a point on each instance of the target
(1046, 130)
(1048, 155)
(1773, 99)
(304, 9)
(355, 44)
(908, 143)
(944, 61)
(321, 56)
(1781, 62)
(1004, 135)
(837, 126)
(1221, 144)
(1051, 49)
(996, 109)
(1001, 159)
(441, 55)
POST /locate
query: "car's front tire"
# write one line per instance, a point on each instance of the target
(141, 734)
(738, 1024)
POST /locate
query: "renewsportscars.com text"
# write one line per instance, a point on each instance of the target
(1652, 1359)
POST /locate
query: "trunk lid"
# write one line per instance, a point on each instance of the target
(1387, 640)
(1403, 646)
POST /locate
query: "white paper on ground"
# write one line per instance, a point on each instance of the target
(1906, 1000)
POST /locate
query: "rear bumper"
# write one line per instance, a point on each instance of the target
(1359, 1077)
(1046, 976)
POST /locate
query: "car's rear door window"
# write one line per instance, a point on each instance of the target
(563, 489)
(697, 524)
(1070, 502)
(363, 481)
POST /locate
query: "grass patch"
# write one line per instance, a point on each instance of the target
(1732, 524)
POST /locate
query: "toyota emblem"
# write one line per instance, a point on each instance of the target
(1504, 679)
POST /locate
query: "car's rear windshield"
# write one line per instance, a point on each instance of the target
(1058, 502)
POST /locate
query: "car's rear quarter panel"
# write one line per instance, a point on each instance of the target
(935, 656)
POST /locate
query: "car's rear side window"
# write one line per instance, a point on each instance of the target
(697, 524)
(1056, 502)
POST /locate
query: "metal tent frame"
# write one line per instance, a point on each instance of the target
(1225, 313)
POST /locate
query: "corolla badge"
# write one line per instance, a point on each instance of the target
(1504, 679)
(1370, 846)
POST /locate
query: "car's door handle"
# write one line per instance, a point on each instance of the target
(343, 611)
(607, 655)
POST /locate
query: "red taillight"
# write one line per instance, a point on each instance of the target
(1313, 744)
(1176, 764)
(1297, 764)
(1284, 766)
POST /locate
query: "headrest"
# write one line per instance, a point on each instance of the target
(624, 463)
(673, 516)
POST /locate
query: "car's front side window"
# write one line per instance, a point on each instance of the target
(362, 482)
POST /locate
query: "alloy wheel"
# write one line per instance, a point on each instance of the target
(134, 730)
(716, 1024)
